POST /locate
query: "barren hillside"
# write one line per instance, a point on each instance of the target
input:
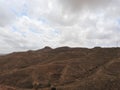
(66, 68)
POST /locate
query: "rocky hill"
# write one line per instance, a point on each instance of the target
(66, 68)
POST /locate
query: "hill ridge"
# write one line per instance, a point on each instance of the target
(67, 68)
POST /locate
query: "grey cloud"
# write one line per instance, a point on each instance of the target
(6, 15)
(80, 23)
(76, 5)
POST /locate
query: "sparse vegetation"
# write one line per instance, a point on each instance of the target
(68, 68)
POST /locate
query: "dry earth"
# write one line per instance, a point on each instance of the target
(66, 68)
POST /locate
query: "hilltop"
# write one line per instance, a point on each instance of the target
(66, 68)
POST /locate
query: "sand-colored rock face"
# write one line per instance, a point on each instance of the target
(65, 68)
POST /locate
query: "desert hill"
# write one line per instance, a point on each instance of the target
(66, 68)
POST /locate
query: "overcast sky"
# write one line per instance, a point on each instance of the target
(34, 24)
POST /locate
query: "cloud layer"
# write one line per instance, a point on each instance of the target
(26, 25)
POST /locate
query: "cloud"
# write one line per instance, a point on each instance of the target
(6, 16)
(77, 5)
(26, 34)
(26, 25)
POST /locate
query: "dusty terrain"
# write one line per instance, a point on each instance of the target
(3, 87)
(66, 68)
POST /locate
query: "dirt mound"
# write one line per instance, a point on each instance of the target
(66, 68)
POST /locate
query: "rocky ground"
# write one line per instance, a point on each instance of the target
(65, 68)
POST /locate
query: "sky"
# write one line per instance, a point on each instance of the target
(34, 24)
